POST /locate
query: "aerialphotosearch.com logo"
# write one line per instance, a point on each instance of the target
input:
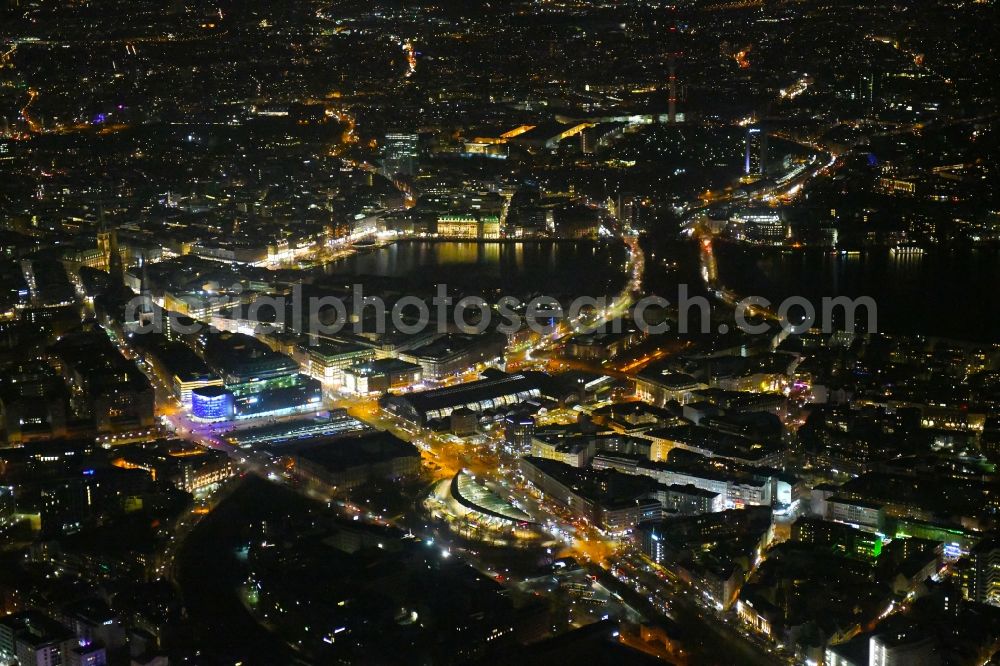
(360, 313)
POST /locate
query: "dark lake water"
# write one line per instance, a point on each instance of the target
(947, 292)
(552, 268)
(953, 292)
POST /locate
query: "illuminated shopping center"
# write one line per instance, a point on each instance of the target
(473, 510)
(259, 382)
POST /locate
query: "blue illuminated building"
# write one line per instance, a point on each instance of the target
(212, 403)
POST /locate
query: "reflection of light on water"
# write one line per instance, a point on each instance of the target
(489, 252)
(906, 255)
(455, 253)
(565, 266)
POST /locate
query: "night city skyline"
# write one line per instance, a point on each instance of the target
(442, 332)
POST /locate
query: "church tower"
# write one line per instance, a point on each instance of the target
(107, 245)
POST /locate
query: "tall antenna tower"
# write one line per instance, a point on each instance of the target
(673, 54)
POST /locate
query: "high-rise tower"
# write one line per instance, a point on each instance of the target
(673, 54)
(755, 155)
(672, 109)
(400, 154)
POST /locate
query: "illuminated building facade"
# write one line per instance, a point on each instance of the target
(30, 638)
(498, 392)
(659, 388)
(518, 430)
(381, 375)
(401, 151)
(573, 451)
(755, 153)
(186, 383)
(295, 395)
(757, 614)
(866, 515)
(846, 540)
(327, 361)
(198, 475)
(981, 579)
(902, 649)
(759, 226)
(468, 226)
(212, 403)
(262, 382)
(110, 259)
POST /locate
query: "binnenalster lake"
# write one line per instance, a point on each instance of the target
(947, 292)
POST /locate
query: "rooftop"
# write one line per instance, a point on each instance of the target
(382, 366)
